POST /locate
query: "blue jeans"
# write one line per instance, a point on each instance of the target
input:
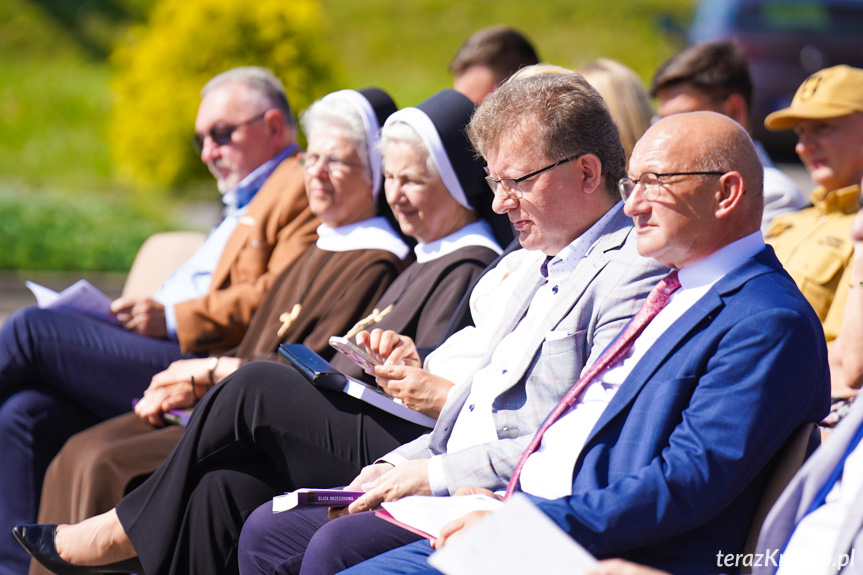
(60, 372)
(412, 558)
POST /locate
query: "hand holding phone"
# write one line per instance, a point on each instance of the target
(355, 353)
(390, 347)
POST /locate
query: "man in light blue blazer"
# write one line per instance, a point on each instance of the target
(787, 531)
(554, 157)
(671, 472)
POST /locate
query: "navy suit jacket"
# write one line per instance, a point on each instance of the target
(673, 470)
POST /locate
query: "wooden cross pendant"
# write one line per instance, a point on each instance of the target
(373, 318)
(288, 318)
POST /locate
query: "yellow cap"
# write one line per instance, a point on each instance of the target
(828, 93)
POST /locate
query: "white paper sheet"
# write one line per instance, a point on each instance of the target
(430, 514)
(82, 296)
(516, 539)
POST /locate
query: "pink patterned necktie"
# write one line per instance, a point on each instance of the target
(656, 300)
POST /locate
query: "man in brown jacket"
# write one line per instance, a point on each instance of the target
(61, 371)
(267, 221)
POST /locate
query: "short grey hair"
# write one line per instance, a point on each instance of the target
(337, 112)
(402, 132)
(261, 84)
(566, 115)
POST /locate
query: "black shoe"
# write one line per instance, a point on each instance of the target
(38, 540)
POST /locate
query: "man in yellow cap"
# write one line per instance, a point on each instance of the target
(814, 244)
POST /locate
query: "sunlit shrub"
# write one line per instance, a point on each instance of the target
(160, 71)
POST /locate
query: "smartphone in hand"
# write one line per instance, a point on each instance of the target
(355, 353)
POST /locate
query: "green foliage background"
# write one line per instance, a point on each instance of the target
(59, 88)
(62, 234)
(406, 47)
(159, 74)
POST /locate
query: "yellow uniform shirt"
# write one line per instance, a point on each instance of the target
(815, 248)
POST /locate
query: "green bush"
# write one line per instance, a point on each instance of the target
(159, 75)
(47, 231)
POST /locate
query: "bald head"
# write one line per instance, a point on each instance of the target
(708, 141)
(716, 199)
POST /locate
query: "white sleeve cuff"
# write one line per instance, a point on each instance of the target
(449, 393)
(437, 479)
(392, 459)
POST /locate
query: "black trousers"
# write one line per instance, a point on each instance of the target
(261, 432)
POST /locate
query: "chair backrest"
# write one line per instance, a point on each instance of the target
(787, 461)
(158, 256)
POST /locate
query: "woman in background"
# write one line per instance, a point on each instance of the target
(627, 100)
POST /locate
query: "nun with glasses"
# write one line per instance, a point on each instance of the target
(265, 430)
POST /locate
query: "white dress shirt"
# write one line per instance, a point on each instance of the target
(548, 471)
(457, 357)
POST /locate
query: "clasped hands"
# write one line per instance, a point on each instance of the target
(180, 386)
(401, 375)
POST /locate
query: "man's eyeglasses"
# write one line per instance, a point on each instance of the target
(511, 186)
(329, 164)
(650, 183)
(221, 134)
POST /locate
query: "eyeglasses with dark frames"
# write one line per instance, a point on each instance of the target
(221, 134)
(511, 186)
(329, 164)
(650, 183)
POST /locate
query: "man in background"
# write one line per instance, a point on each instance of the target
(244, 132)
(489, 57)
(815, 244)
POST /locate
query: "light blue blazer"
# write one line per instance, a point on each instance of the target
(795, 500)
